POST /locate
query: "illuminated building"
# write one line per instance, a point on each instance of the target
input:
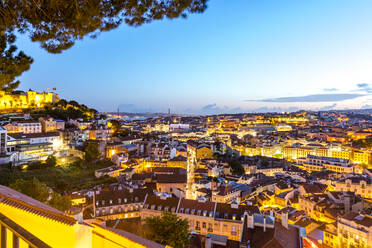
(3, 142)
(78, 199)
(51, 125)
(81, 124)
(355, 230)
(226, 194)
(205, 217)
(330, 237)
(27, 127)
(118, 202)
(26, 222)
(23, 148)
(101, 132)
(359, 185)
(203, 151)
(283, 128)
(316, 163)
(111, 171)
(21, 100)
(339, 153)
(362, 157)
(178, 161)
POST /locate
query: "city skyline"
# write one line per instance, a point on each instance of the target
(241, 56)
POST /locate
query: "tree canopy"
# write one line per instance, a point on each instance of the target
(236, 167)
(39, 191)
(57, 24)
(169, 229)
(33, 188)
(51, 161)
(91, 151)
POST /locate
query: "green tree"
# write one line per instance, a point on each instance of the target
(169, 229)
(115, 126)
(60, 202)
(236, 167)
(51, 161)
(57, 24)
(12, 65)
(91, 151)
(33, 188)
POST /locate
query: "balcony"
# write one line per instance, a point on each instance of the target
(210, 229)
(197, 228)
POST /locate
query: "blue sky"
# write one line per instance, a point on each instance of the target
(238, 56)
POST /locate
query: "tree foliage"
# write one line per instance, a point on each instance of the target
(115, 126)
(63, 110)
(60, 202)
(51, 161)
(91, 151)
(236, 167)
(39, 191)
(169, 229)
(12, 64)
(57, 24)
(33, 188)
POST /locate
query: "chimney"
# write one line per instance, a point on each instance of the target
(250, 220)
(264, 223)
(208, 241)
(285, 220)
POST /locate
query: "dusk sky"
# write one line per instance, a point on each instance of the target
(238, 56)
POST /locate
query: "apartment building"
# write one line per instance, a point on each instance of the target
(118, 202)
(355, 230)
(204, 216)
(29, 127)
(359, 185)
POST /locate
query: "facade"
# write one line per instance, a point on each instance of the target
(51, 125)
(317, 163)
(25, 100)
(26, 222)
(3, 141)
(23, 148)
(29, 127)
(118, 202)
(204, 217)
(355, 230)
(359, 185)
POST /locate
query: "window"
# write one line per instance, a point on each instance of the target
(204, 225)
(197, 226)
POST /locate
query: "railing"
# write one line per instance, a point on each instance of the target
(21, 233)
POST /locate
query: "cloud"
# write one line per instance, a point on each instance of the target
(274, 109)
(329, 107)
(364, 87)
(366, 106)
(330, 89)
(312, 98)
(214, 109)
